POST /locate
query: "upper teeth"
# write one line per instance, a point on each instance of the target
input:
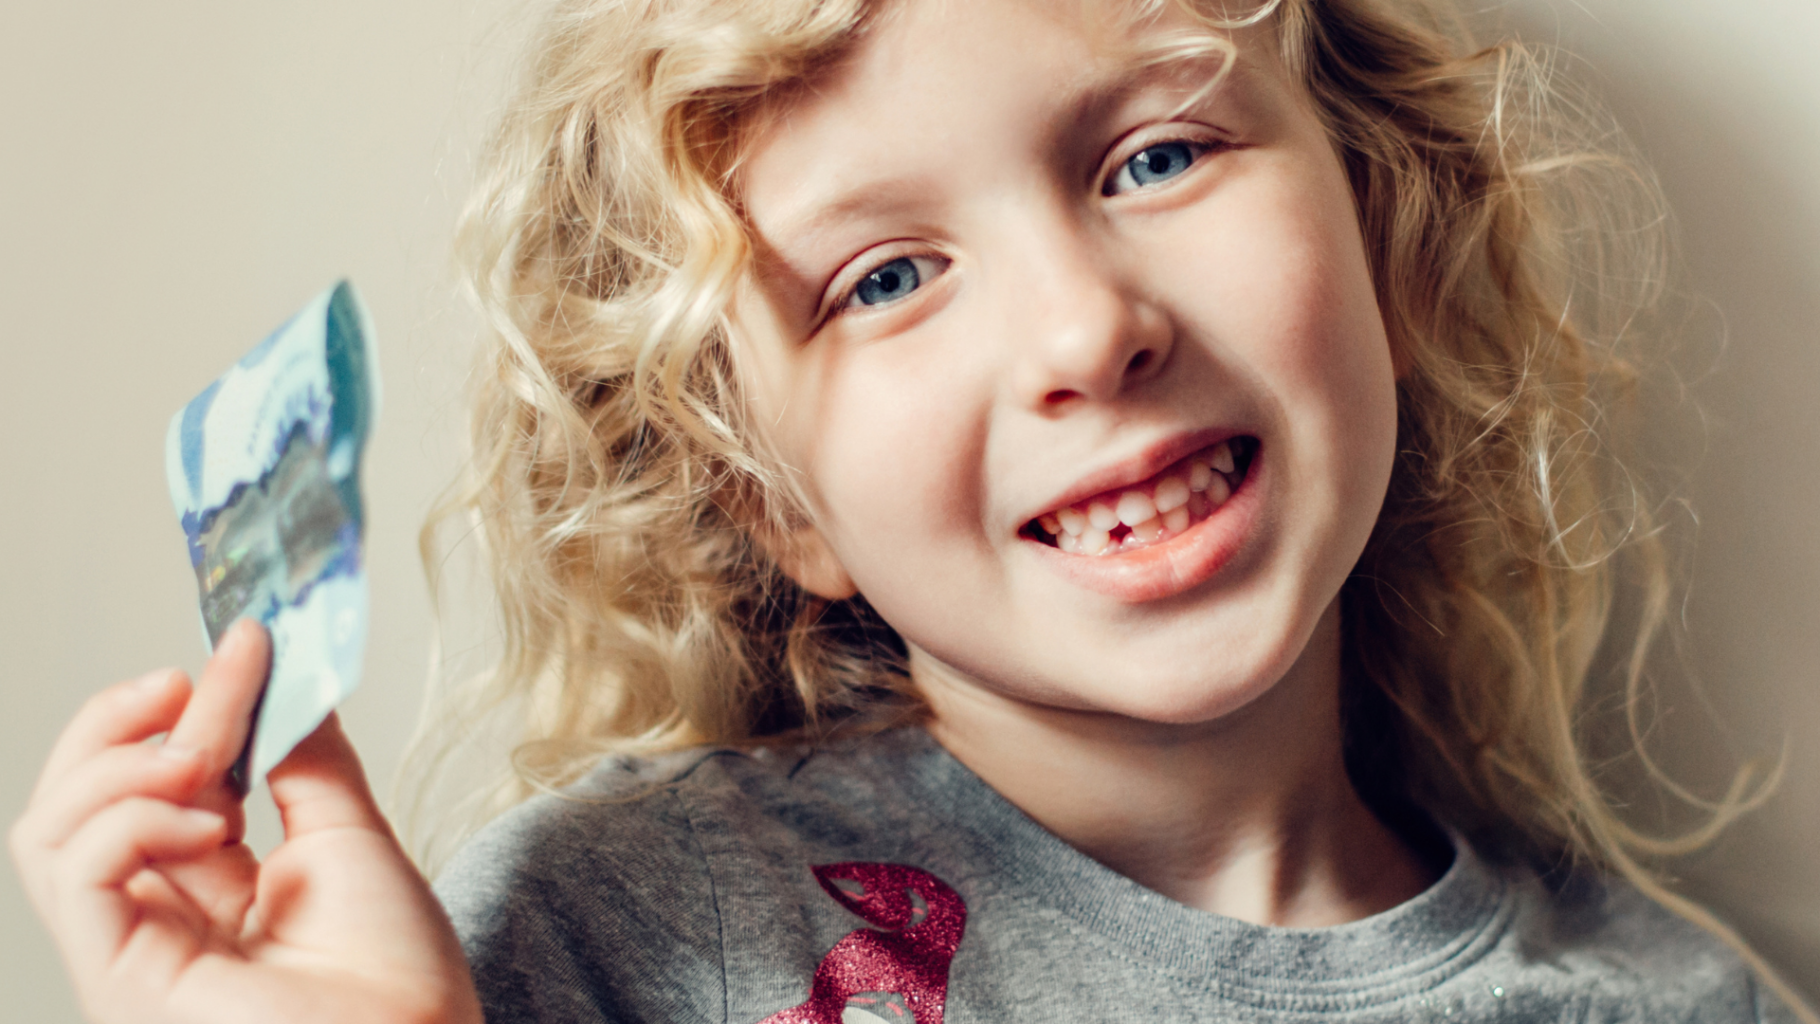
(1199, 476)
(1136, 507)
(1101, 517)
(1169, 507)
(1171, 493)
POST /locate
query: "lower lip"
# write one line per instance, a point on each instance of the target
(1176, 565)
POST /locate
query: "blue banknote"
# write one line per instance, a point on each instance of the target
(264, 469)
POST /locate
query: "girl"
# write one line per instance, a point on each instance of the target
(1016, 509)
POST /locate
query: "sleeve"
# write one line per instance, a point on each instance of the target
(577, 912)
(1651, 966)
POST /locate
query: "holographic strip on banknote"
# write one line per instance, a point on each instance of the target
(264, 469)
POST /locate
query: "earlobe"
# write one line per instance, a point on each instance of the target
(804, 556)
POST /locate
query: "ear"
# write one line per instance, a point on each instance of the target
(804, 556)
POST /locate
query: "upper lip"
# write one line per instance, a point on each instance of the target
(1145, 464)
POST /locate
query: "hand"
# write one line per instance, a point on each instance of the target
(132, 854)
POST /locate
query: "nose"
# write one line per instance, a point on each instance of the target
(1088, 333)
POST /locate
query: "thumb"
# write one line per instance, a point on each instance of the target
(321, 785)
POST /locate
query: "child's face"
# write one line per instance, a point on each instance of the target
(1004, 279)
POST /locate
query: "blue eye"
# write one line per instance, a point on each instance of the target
(895, 280)
(888, 283)
(1153, 164)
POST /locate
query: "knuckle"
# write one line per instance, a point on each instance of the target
(108, 704)
(99, 704)
(101, 1001)
(131, 811)
(425, 1006)
(63, 873)
(123, 693)
(19, 841)
(106, 828)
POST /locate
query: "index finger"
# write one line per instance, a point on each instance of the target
(129, 712)
(219, 718)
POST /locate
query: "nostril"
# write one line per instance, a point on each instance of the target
(1139, 362)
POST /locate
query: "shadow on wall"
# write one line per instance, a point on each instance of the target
(1740, 164)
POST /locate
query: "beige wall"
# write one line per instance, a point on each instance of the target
(177, 177)
(1725, 103)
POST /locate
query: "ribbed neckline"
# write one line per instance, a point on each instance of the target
(1407, 948)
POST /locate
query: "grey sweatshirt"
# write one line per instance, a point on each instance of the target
(880, 880)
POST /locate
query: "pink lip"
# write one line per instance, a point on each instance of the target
(1141, 467)
(1178, 564)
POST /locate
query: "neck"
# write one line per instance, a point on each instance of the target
(1251, 816)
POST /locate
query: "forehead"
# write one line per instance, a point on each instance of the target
(939, 81)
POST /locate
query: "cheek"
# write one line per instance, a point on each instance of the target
(1327, 345)
(1341, 357)
(1292, 307)
(1355, 367)
(894, 457)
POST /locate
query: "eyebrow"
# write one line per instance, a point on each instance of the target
(784, 255)
(873, 196)
(1093, 97)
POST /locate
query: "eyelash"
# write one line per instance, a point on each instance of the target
(847, 296)
(1198, 148)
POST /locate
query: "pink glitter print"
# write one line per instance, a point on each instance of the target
(895, 971)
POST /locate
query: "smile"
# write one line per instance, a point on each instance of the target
(1151, 511)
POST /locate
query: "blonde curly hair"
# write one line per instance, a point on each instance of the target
(1513, 246)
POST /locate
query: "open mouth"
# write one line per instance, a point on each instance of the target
(1151, 511)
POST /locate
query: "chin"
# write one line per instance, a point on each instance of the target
(1198, 690)
(1198, 703)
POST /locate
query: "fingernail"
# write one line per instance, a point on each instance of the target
(240, 633)
(203, 819)
(152, 682)
(178, 752)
